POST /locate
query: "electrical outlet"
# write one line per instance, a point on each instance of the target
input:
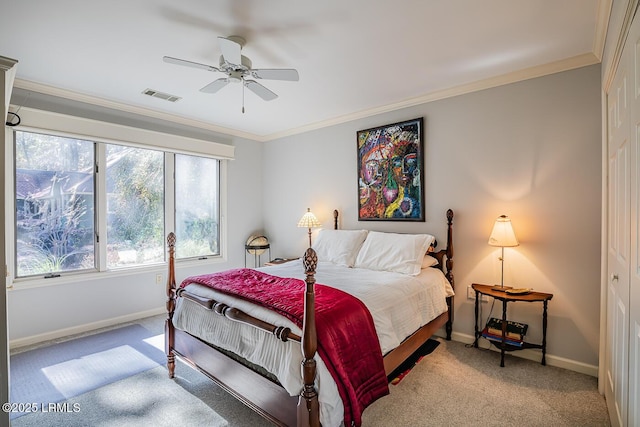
(471, 294)
(159, 279)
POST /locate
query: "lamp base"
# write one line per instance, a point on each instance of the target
(501, 288)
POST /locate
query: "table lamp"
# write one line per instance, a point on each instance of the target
(503, 236)
(309, 221)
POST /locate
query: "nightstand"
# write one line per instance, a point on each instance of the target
(277, 261)
(506, 298)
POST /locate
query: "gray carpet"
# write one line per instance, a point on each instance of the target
(453, 386)
(461, 386)
(64, 370)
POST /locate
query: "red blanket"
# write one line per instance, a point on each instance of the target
(341, 321)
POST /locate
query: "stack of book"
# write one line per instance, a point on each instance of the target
(514, 334)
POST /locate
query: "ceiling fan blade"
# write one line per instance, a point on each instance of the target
(171, 60)
(215, 86)
(260, 90)
(276, 74)
(230, 50)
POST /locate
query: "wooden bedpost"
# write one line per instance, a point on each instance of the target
(335, 219)
(449, 325)
(171, 306)
(308, 407)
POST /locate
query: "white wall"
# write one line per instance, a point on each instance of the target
(530, 150)
(82, 303)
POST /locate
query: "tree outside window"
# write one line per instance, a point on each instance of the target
(55, 199)
(135, 206)
(54, 204)
(197, 210)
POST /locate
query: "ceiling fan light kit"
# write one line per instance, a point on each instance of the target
(238, 69)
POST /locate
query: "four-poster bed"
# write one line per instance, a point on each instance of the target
(256, 386)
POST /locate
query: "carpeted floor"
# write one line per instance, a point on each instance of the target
(453, 386)
(60, 371)
(461, 386)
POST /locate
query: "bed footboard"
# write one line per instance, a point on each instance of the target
(169, 331)
(190, 348)
(308, 407)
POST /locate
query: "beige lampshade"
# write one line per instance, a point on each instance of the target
(308, 220)
(502, 234)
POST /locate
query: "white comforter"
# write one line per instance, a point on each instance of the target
(399, 305)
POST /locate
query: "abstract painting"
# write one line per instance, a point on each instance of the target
(390, 172)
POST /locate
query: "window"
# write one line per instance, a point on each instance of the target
(59, 191)
(135, 206)
(54, 199)
(197, 216)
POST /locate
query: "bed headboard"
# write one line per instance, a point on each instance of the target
(445, 265)
(444, 256)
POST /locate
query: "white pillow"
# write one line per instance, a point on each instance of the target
(339, 246)
(400, 253)
(428, 261)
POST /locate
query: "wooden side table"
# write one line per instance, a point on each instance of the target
(506, 298)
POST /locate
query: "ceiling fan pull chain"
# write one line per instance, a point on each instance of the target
(242, 96)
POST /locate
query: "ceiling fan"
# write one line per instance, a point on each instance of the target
(238, 69)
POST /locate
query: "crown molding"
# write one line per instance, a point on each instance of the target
(520, 75)
(525, 74)
(602, 24)
(101, 102)
(610, 72)
(7, 63)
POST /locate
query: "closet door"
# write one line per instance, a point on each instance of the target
(618, 245)
(633, 45)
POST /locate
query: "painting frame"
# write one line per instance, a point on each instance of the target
(391, 172)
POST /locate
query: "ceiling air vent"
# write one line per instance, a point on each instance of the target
(161, 95)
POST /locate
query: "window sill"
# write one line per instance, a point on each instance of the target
(74, 277)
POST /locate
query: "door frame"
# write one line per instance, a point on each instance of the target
(7, 76)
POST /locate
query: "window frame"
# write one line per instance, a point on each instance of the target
(13, 191)
(100, 132)
(172, 157)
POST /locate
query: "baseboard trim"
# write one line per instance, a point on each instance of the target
(535, 355)
(34, 339)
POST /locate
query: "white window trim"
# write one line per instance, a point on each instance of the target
(40, 121)
(94, 130)
(101, 204)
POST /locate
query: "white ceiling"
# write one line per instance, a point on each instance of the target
(354, 57)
